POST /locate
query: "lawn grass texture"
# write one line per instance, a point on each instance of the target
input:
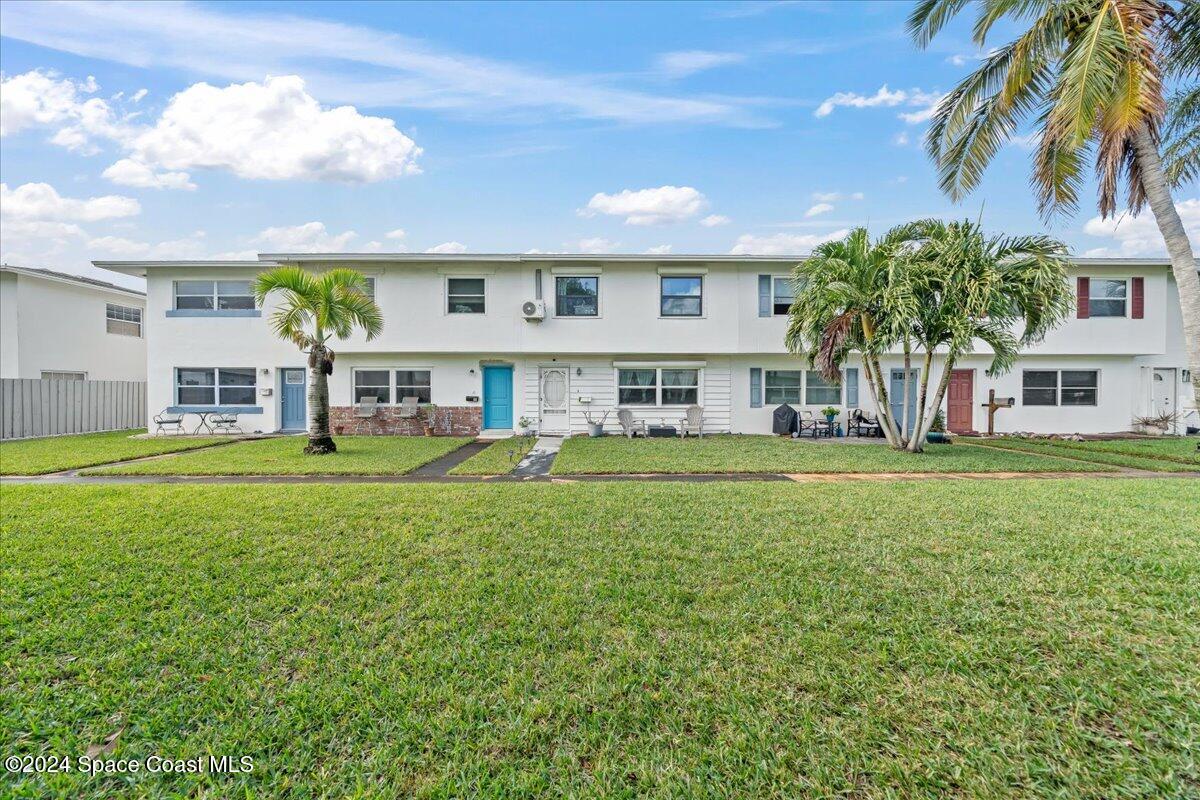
(356, 455)
(728, 453)
(498, 458)
(1169, 448)
(57, 453)
(911, 639)
(1119, 453)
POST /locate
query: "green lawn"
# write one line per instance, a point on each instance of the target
(56, 453)
(498, 458)
(720, 454)
(1153, 455)
(356, 455)
(912, 639)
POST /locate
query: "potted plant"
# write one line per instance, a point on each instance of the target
(830, 413)
(595, 427)
(1154, 425)
(525, 426)
(429, 421)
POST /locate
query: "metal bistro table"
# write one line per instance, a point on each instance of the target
(204, 412)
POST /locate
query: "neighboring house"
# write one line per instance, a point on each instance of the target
(66, 327)
(490, 339)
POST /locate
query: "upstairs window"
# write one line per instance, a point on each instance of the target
(213, 295)
(123, 320)
(1106, 297)
(370, 292)
(215, 386)
(681, 296)
(577, 297)
(782, 295)
(464, 295)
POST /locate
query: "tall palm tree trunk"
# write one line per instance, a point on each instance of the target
(917, 443)
(319, 440)
(1183, 260)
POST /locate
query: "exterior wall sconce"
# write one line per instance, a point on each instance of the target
(579, 372)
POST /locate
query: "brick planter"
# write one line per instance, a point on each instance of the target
(450, 421)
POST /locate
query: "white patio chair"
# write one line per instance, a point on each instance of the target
(366, 413)
(166, 421)
(692, 423)
(408, 407)
(629, 425)
(225, 423)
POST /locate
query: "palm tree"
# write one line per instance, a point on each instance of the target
(1007, 292)
(853, 295)
(313, 309)
(1093, 72)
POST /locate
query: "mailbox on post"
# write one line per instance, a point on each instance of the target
(993, 405)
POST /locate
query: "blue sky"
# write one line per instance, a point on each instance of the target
(224, 129)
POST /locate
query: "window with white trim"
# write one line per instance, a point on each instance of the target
(59, 375)
(389, 385)
(1107, 297)
(370, 292)
(465, 295)
(215, 386)
(1068, 387)
(658, 386)
(782, 295)
(123, 320)
(782, 386)
(414, 383)
(681, 295)
(577, 296)
(820, 392)
(213, 295)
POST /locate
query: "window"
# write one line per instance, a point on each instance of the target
(682, 296)
(464, 295)
(413, 383)
(370, 288)
(1106, 298)
(63, 376)
(1070, 387)
(372, 383)
(782, 386)
(577, 297)
(213, 295)
(209, 386)
(658, 387)
(782, 295)
(123, 320)
(820, 392)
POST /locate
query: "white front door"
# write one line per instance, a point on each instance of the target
(1164, 393)
(553, 383)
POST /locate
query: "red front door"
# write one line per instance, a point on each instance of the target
(959, 399)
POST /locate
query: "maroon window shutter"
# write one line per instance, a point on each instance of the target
(1139, 298)
(1082, 288)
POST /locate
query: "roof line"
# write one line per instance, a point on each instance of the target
(76, 280)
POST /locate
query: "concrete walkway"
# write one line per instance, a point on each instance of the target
(537, 462)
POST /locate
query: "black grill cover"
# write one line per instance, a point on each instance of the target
(784, 420)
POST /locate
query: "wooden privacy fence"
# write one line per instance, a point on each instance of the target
(33, 407)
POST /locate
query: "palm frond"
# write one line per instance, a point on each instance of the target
(928, 17)
(1181, 136)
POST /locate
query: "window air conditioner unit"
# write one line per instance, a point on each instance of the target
(534, 310)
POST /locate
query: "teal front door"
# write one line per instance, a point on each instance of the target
(293, 412)
(498, 397)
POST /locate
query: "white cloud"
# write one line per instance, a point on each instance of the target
(188, 247)
(900, 139)
(139, 95)
(40, 99)
(648, 206)
(681, 63)
(388, 69)
(596, 244)
(1139, 236)
(713, 220)
(398, 233)
(128, 172)
(373, 246)
(41, 202)
(925, 101)
(900, 179)
(779, 244)
(819, 208)
(833, 197)
(311, 237)
(658, 250)
(448, 247)
(273, 130)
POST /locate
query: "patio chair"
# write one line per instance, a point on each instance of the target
(863, 424)
(807, 422)
(225, 423)
(408, 407)
(167, 421)
(629, 425)
(692, 423)
(366, 413)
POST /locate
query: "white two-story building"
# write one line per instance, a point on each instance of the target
(554, 340)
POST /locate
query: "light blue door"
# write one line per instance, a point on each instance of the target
(497, 397)
(896, 397)
(293, 413)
